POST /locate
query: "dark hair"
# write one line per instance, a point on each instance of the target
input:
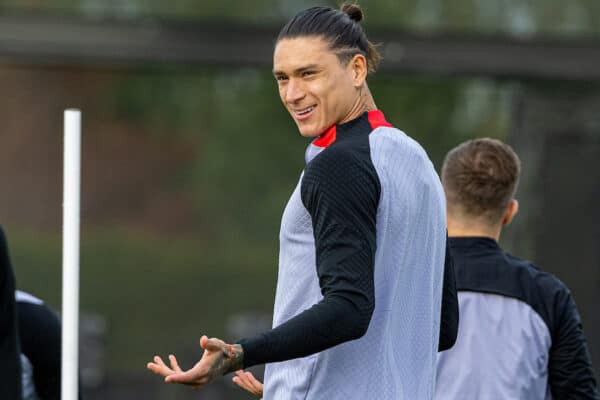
(341, 28)
(480, 177)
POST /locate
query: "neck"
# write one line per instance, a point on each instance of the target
(471, 228)
(364, 102)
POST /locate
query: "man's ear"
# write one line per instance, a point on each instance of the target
(511, 210)
(358, 65)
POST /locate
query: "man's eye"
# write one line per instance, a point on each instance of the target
(281, 78)
(308, 73)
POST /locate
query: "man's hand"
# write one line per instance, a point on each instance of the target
(247, 381)
(219, 358)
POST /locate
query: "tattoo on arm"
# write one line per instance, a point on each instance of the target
(231, 360)
(237, 358)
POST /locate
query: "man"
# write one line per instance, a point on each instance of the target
(520, 335)
(362, 241)
(10, 366)
(448, 328)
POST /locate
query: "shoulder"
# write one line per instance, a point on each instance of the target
(24, 297)
(34, 317)
(33, 313)
(396, 139)
(544, 292)
(336, 156)
(340, 164)
(543, 281)
(394, 151)
(340, 176)
(501, 273)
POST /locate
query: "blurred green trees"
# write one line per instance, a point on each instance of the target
(546, 17)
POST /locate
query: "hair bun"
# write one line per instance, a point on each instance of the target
(353, 10)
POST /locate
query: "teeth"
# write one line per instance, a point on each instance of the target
(305, 111)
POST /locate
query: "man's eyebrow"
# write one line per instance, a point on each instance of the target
(297, 70)
(305, 68)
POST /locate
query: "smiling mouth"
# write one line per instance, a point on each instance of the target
(303, 113)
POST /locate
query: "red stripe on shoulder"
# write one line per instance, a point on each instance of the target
(326, 138)
(377, 119)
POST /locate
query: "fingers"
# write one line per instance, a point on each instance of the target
(160, 362)
(241, 382)
(203, 341)
(255, 383)
(212, 344)
(203, 372)
(248, 382)
(159, 367)
(195, 377)
(174, 365)
(190, 377)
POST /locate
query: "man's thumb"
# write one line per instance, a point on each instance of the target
(210, 344)
(203, 341)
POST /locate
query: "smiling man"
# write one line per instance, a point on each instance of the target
(362, 241)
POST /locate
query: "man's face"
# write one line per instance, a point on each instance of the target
(317, 90)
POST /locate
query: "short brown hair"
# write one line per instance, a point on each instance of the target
(480, 177)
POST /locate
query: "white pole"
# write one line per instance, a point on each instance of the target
(70, 277)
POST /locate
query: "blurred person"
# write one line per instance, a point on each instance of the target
(30, 356)
(10, 366)
(362, 240)
(520, 334)
(40, 339)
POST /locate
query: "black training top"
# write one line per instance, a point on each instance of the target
(520, 334)
(40, 335)
(10, 366)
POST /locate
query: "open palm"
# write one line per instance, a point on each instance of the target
(214, 363)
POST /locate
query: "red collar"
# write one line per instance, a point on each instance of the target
(376, 119)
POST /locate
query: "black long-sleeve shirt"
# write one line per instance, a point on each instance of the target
(40, 336)
(10, 365)
(520, 333)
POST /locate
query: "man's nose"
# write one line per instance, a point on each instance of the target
(294, 92)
